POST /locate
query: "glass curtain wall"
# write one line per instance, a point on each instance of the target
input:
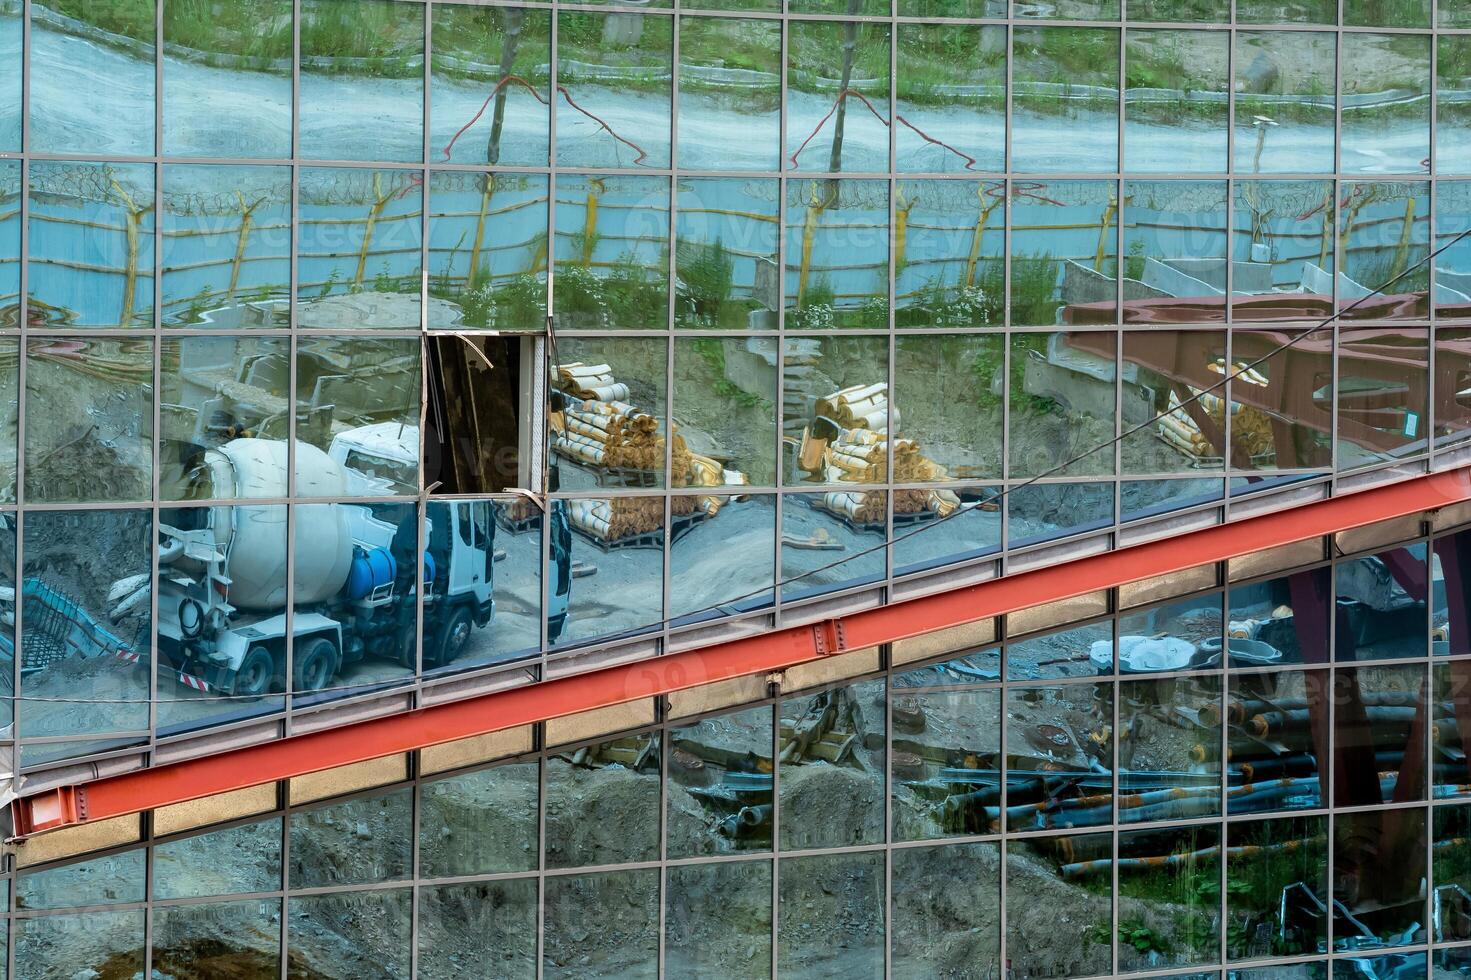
(1265, 776)
(296, 295)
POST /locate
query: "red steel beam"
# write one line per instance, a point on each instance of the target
(192, 779)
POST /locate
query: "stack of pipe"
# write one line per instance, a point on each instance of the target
(1251, 429)
(612, 434)
(858, 506)
(861, 407)
(590, 381)
(616, 518)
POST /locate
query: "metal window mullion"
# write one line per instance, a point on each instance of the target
(156, 442)
(781, 479)
(776, 827)
(22, 347)
(539, 732)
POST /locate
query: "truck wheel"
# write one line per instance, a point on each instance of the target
(253, 676)
(454, 636)
(315, 664)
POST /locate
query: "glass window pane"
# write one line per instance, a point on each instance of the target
(91, 76)
(1384, 234)
(1387, 13)
(75, 561)
(1082, 651)
(357, 841)
(359, 242)
(1386, 130)
(1040, 512)
(1381, 606)
(11, 191)
(951, 271)
(611, 250)
(58, 947)
(486, 557)
(483, 822)
(1453, 265)
(1064, 406)
(1175, 103)
(1276, 874)
(1452, 727)
(1039, 892)
(485, 929)
(836, 405)
(974, 531)
(111, 880)
(1284, 101)
(1059, 756)
(345, 554)
(1207, 11)
(1282, 253)
(1376, 710)
(1169, 897)
(1065, 101)
(1279, 621)
(719, 789)
(717, 920)
(1453, 109)
(603, 437)
(191, 941)
(239, 939)
(487, 250)
(362, 80)
(364, 935)
(946, 910)
(951, 98)
(1169, 770)
(1379, 877)
(1382, 396)
(832, 541)
(729, 120)
(946, 772)
(1281, 400)
(226, 246)
(601, 60)
(12, 33)
(837, 261)
(1451, 858)
(722, 555)
(832, 767)
(622, 938)
(489, 87)
(1064, 252)
(952, 417)
(227, 78)
(89, 414)
(1168, 399)
(233, 861)
(725, 400)
(221, 586)
(833, 66)
(726, 231)
(219, 392)
(602, 803)
(831, 916)
(1175, 244)
(962, 669)
(90, 253)
(357, 401)
(1274, 757)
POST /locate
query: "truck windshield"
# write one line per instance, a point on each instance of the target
(401, 477)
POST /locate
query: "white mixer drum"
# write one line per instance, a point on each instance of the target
(255, 536)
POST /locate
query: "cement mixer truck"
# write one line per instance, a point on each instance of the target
(222, 599)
